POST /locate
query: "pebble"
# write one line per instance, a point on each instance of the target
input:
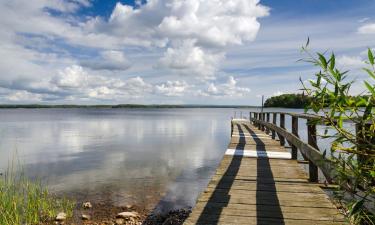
(127, 215)
(87, 205)
(129, 206)
(61, 216)
(120, 221)
(85, 217)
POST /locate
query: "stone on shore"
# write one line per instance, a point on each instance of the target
(87, 205)
(119, 221)
(61, 216)
(85, 217)
(128, 215)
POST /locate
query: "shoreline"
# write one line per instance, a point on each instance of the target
(101, 213)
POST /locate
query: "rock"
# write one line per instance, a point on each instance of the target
(61, 216)
(119, 221)
(87, 205)
(128, 215)
(129, 206)
(85, 217)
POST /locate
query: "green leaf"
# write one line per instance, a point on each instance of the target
(370, 57)
(361, 103)
(371, 73)
(332, 62)
(324, 154)
(323, 61)
(356, 207)
(340, 122)
(370, 88)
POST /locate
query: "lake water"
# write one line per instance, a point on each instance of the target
(148, 157)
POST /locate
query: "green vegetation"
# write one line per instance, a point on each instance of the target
(288, 101)
(299, 101)
(26, 202)
(352, 152)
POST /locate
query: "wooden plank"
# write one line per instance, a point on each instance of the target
(257, 190)
(248, 220)
(259, 154)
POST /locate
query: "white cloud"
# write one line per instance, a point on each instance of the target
(109, 60)
(39, 46)
(189, 59)
(367, 29)
(23, 96)
(72, 77)
(363, 20)
(350, 62)
(195, 31)
(75, 81)
(172, 88)
(228, 89)
(217, 23)
(277, 93)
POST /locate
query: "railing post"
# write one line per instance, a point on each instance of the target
(295, 132)
(282, 125)
(260, 118)
(250, 116)
(268, 120)
(263, 119)
(311, 136)
(274, 117)
(256, 118)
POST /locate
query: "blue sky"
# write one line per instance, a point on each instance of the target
(172, 51)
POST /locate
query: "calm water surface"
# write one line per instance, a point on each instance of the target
(149, 157)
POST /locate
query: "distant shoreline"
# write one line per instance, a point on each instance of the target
(125, 106)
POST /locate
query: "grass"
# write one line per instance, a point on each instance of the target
(23, 201)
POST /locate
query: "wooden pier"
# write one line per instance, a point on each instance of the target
(259, 181)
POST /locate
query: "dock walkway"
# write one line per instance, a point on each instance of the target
(257, 182)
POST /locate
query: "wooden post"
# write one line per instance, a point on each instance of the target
(260, 118)
(268, 120)
(256, 117)
(231, 128)
(263, 119)
(295, 132)
(311, 136)
(274, 117)
(250, 116)
(282, 125)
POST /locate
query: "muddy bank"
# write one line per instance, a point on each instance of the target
(104, 214)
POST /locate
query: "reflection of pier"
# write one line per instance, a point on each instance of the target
(260, 182)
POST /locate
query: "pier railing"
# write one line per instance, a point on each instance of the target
(309, 150)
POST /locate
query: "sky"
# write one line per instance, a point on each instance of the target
(227, 52)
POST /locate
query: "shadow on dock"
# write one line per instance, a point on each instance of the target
(215, 212)
(264, 199)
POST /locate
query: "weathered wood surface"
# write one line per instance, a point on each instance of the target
(253, 190)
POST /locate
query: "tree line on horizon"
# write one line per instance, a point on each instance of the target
(295, 100)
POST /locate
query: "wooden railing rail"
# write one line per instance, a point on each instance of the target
(309, 150)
